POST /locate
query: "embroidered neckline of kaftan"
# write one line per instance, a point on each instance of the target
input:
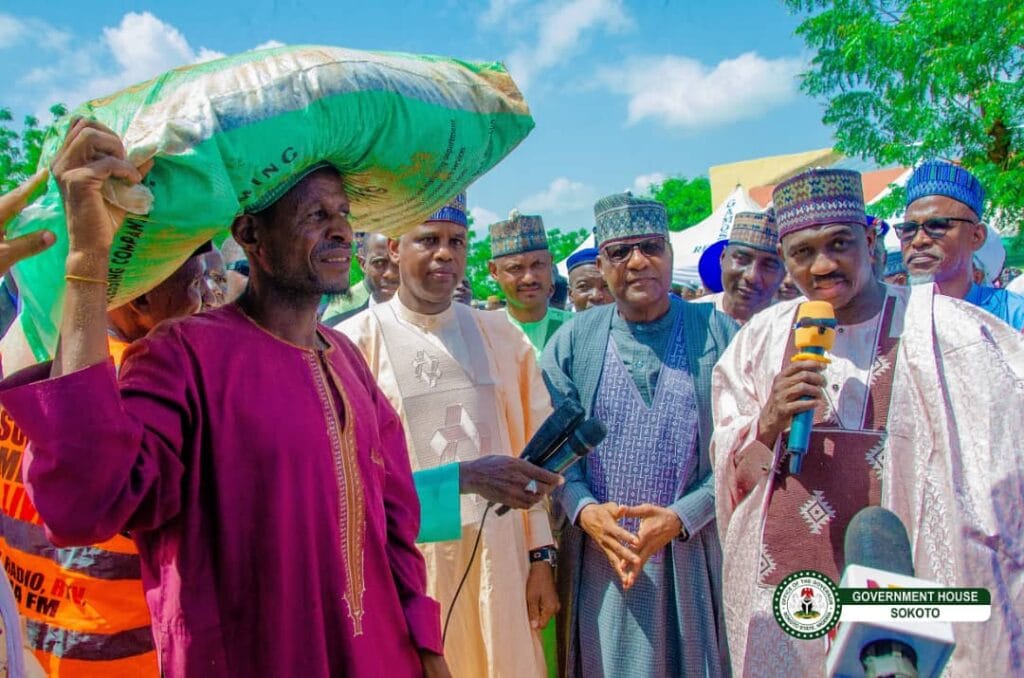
(351, 498)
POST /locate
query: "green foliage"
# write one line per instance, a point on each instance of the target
(687, 201)
(904, 80)
(19, 150)
(479, 254)
(476, 269)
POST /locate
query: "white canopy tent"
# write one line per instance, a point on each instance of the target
(688, 245)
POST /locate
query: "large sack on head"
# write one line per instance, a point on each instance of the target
(229, 136)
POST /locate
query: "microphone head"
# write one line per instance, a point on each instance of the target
(815, 309)
(809, 334)
(591, 433)
(876, 538)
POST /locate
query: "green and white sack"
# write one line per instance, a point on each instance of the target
(407, 132)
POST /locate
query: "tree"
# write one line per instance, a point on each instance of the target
(687, 201)
(905, 80)
(19, 151)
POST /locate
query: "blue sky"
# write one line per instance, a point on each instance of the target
(622, 92)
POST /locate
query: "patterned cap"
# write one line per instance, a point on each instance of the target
(755, 229)
(817, 197)
(622, 215)
(454, 211)
(519, 233)
(936, 177)
(584, 256)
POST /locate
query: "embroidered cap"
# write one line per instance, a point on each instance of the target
(755, 229)
(517, 234)
(750, 229)
(817, 197)
(454, 211)
(622, 215)
(937, 177)
(584, 256)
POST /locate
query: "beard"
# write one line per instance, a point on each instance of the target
(920, 278)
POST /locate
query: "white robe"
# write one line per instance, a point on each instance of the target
(954, 476)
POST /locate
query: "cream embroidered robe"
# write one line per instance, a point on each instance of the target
(466, 384)
(953, 471)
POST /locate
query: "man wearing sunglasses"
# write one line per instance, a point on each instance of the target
(942, 231)
(901, 420)
(641, 544)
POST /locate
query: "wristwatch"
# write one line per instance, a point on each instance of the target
(545, 554)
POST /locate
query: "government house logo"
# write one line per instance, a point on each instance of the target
(806, 604)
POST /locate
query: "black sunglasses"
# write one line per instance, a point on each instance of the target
(621, 251)
(934, 228)
(240, 266)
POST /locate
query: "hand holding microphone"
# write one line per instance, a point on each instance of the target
(797, 390)
(564, 450)
(510, 481)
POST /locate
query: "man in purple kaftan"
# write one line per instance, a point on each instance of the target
(260, 470)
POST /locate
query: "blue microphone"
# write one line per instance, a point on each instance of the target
(813, 334)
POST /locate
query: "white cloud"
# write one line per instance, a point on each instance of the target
(562, 195)
(207, 54)
(499, 11)
(642, 184)
(683, 93)
(138, 48)
(560, 27)
(268, 44)
(14, 30)
(11, 30)
(144, 46)
(483, 217)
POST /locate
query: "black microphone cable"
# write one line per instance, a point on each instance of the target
(465, 575)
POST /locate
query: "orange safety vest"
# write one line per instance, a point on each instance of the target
(83, 607)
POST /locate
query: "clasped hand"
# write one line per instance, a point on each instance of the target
(627, 552)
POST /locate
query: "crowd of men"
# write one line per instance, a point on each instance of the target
(231, 476)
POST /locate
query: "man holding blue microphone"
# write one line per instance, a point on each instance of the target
(899, 420)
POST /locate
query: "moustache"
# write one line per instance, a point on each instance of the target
(830, 278)
(331, 248)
